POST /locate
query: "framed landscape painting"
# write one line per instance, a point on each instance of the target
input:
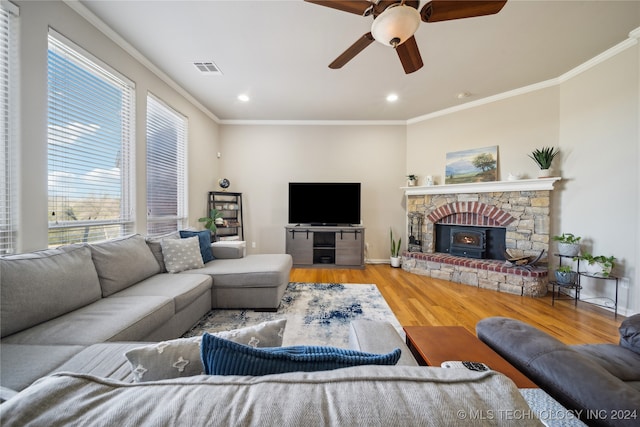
(475, 165)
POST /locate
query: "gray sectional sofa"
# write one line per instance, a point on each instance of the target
(600, 383)
(97, 389)
(56, 303)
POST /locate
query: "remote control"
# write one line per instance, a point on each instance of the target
(473, 366)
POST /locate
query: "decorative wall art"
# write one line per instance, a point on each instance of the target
(475, 165)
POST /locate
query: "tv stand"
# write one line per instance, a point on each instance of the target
(326, 246)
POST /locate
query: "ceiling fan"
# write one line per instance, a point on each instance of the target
(396, 21)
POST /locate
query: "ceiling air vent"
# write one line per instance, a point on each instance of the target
(207, 67)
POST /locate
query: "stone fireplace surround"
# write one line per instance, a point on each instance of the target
(522, 207)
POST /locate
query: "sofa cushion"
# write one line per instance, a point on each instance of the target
(183, 288)
(21, 365)
(182, 254)
(39, 286)
(224, 357)
(181, 357)
(630, 333)
(154, 243)
(204, 240)
(358, 396)
(619, 361)
(130, 318)
(122, 262)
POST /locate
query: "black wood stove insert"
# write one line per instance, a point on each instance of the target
(471, 241)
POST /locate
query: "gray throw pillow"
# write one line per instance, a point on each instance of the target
(181, 254)
(181, 357)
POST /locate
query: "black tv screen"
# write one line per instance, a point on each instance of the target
(319, 203)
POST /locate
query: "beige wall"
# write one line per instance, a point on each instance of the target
(593, 118)
(516, 125)
(261, 160)
(35, 20)
(599, 138)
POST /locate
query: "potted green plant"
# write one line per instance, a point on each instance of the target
(412, 180)
(395, 250)
(215, 217)
(543, 158)
(598, 265)
(566, 276)
(568, 244)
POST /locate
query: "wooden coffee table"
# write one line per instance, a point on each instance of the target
(432, 345)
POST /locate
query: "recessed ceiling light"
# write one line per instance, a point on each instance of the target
(392, 97)
(243, 98)
(463, 95)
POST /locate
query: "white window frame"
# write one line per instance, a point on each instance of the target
(172, 162)
(9, 107)
(66, 126)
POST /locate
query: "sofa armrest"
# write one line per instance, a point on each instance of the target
(379, 337)
(573, 379)
(229, 249)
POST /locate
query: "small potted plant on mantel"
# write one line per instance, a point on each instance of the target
(543, 158)
(395, 250)
(566, 276)
(412, 180)
(598, 265)
(568, 244)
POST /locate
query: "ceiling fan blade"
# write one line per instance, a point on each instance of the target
(445, 10)
(410, 55)
(352, 51)
(352, 6)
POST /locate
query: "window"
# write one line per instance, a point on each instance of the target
(90, 147)
(8, 84)
(166, 141)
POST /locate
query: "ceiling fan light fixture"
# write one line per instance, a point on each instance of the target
(395, 25)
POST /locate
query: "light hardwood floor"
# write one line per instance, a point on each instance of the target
(419, 300)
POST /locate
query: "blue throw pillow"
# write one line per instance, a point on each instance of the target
(204, 238)
(224, 357)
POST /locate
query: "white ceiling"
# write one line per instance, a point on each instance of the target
(278, 53)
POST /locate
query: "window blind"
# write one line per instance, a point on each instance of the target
(166, 193)
(8, 110)
(90, 147)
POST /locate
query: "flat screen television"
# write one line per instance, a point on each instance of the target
(324, 203)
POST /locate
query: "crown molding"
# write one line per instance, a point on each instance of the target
(83, 11)
(315, 122)
(607, 54)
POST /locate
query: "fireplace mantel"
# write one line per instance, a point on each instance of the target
(484, 187)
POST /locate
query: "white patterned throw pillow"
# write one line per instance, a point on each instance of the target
(181, 254)
(181, 357)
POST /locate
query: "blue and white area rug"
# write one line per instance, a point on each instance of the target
(316, 313)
